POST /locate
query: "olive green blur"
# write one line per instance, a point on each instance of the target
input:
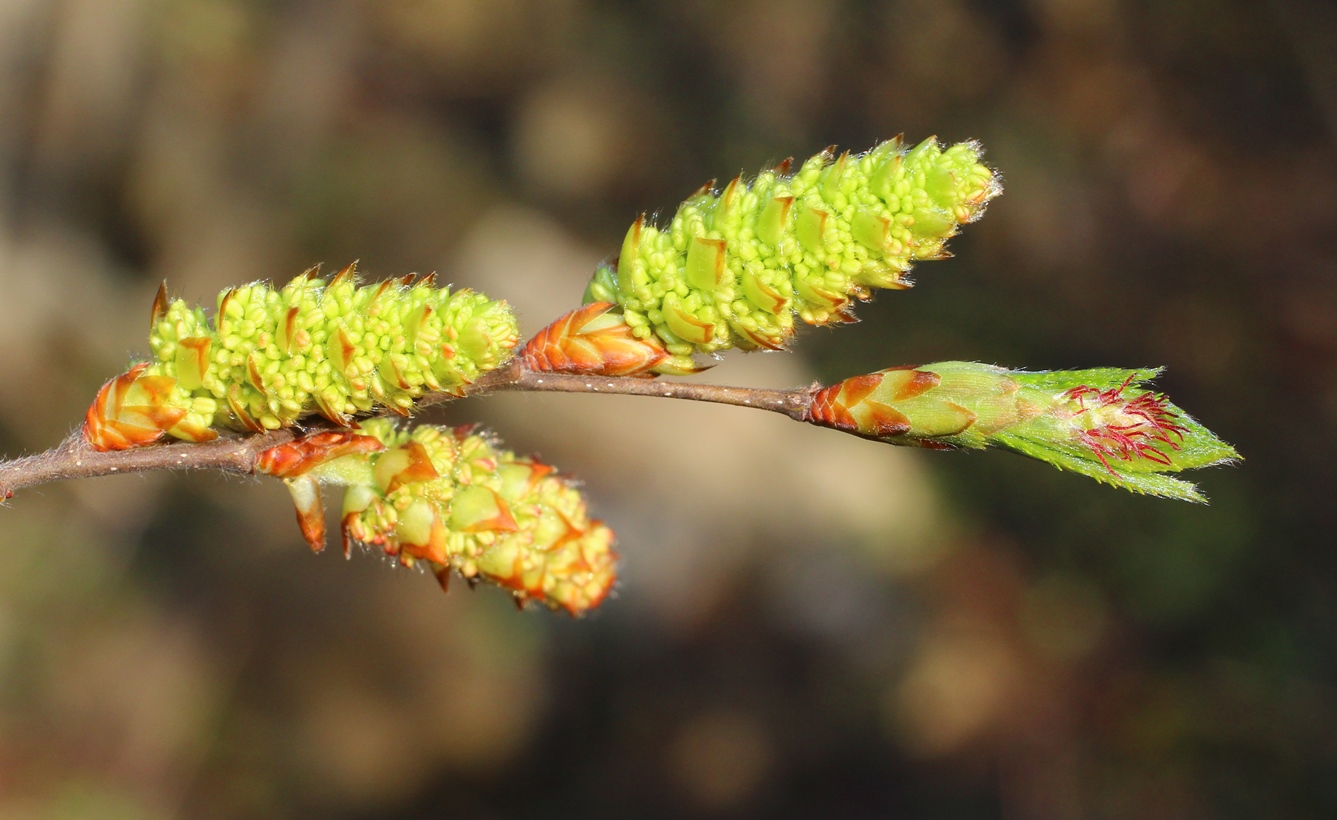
(807, 624)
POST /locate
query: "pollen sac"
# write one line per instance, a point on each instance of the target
(1103, 423)
(734, 266)
(452, 499)
(270, 357)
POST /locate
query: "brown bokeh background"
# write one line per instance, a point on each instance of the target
(809, 625)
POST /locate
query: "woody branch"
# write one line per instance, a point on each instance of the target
(74, 458)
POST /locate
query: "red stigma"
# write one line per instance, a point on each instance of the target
(1143, 427)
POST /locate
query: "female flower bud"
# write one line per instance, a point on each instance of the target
(1101, 422)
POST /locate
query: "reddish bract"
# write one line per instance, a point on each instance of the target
(112, 423)
(297, 457)
(565, 346)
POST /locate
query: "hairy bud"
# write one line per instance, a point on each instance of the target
(1102, 423)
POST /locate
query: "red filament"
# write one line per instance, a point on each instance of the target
(1147, 427)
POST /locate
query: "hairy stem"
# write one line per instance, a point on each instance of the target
(516, 377)
(74, 458)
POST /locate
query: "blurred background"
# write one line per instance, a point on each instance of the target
(809, 625)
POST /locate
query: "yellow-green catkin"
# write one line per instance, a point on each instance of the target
(734, 267)
(272, 356)
(450, 497)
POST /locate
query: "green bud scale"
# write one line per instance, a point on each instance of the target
(734, 267)
(270, 357)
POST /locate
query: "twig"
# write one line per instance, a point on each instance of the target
(74, 458)
(516, 377)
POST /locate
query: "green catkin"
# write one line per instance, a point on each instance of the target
(271, 357)
(733, 268)
(478, 510)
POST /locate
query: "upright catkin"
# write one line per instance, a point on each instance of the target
(270, 357)
(734, 267)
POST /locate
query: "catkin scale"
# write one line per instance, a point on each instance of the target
(592, 340)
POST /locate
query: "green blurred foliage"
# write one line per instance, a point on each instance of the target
(807, 626)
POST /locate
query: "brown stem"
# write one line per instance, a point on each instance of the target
(74, 458)
(516, 377)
